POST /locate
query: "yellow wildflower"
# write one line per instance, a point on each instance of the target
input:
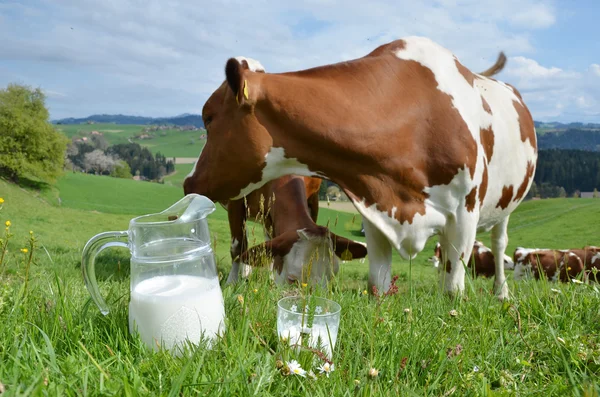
(31, 232)
(7, 223)
(1, 200)
(24, 250)
(255, 290)
(365, 292)
(304, 285)
(240, 299)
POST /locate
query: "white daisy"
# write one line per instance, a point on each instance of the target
(312, 375)
(326, 368)
(557, 291)
(576, 281)
(296, 369)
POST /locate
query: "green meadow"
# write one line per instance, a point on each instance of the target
(170, 143)
(418, 342)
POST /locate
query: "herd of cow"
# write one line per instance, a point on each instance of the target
(421, 145)
(552, 264)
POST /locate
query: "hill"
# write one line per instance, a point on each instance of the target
(571, 138)
(183, 119)
(170, 142)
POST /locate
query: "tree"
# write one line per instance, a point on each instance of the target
(121, 170)
(98, 162)
(99, 142)
(562, 192)
(29, 145)
(595, 194)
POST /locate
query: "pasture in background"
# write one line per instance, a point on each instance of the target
(419, 341)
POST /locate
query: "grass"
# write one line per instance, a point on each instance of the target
(53, 340)
(176, 178)
(171, 143)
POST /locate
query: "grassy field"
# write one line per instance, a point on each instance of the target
(176, 178)
(53, 341)
(171, 143)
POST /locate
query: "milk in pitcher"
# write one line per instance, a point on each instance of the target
(170, 309)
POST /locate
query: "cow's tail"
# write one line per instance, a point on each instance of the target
(497, 67)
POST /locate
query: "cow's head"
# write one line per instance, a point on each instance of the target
(237, 143)
(306, 255)
(437, 255)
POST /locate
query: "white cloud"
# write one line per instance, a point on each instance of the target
(553, 93)
(536, 16)
(165, 59)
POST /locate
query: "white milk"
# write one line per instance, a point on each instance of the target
(293, 336)
(173, 308)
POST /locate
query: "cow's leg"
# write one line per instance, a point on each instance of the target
(379, 251)
(499, 243)
(236, 213)
(457, 245)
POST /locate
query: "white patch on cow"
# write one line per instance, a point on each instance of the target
(522, 271)
(435, 261)
(276, 165)
(442, 63)
(508, 263)
(253, 64)
(314, 250)
(193, 171)
(595, 258)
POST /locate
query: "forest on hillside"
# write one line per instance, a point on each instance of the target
(570, 139)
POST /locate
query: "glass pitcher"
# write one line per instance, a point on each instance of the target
(175, 291)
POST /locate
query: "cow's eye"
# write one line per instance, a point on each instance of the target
(207, 121)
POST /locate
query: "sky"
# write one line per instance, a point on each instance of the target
(164, 58)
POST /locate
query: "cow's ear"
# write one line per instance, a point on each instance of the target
(347, 249)
(234, 73)
(240, 73)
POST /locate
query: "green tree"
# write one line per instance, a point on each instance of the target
(29, 145)
(121, 170)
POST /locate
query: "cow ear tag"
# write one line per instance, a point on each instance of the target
(246, 89)
(346, 255)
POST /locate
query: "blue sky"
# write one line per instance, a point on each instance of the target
(158, 58)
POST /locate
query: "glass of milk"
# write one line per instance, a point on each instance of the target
(175, 293)
(311, 321)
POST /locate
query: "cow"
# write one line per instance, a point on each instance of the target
(420, 144)
(590, 256)
(288, 208)
(485, 264)
(554, 264)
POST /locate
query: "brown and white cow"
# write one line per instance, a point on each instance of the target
(562, 265)
(421, 145)
(590, 256)
(485, 264)
(288, 208)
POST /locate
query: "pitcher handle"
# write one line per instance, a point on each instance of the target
(88, 258)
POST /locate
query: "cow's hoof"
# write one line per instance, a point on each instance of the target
(502, 293)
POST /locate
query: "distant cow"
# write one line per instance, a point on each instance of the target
(292, 236)
(422, 146)
(590, 256)
(485, 264)
(554, 264)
